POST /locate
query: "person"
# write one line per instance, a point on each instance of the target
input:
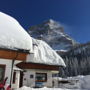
(7, 87)
(4, 86)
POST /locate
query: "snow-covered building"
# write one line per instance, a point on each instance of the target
(41, 66)
(15, 45)
(24, 60)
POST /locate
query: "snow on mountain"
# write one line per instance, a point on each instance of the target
(82, 49)
(12, 34)
(44, 54)
(53, 33)
(77, 60)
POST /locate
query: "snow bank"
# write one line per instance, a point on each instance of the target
(12, 35)
(84, 81)
(85, 84)
(43, 53)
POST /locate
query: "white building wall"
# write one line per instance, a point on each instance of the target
(49, 79)
(17, 78)
(27, 81)
(8, 68)
(30, 82)
(8, 64)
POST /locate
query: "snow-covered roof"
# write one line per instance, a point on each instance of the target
(44, 54)
(12, 34)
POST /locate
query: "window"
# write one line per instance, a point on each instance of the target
(31, 76)
(41, 77)
(2, 72)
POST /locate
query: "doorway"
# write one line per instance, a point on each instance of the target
(21, 79)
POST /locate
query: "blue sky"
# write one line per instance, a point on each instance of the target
(74, 14)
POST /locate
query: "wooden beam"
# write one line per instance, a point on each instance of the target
(11, 54)
(24, 65)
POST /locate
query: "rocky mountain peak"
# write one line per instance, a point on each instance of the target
(52, 24)
(53, 33)
(50, 21)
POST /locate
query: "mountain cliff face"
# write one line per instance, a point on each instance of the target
(53, 33)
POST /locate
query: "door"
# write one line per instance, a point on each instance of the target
(14, 77)
(21, 79)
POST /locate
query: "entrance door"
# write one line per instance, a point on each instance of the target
(21, 79)
(14, 77)
(17, 79)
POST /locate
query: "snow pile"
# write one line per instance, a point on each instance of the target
(12, 35)
(43, 53)
(78, 82)
(84, 81)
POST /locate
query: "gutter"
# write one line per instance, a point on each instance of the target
(12, 68)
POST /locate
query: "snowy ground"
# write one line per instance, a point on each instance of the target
(26, 88)
(82, 84)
